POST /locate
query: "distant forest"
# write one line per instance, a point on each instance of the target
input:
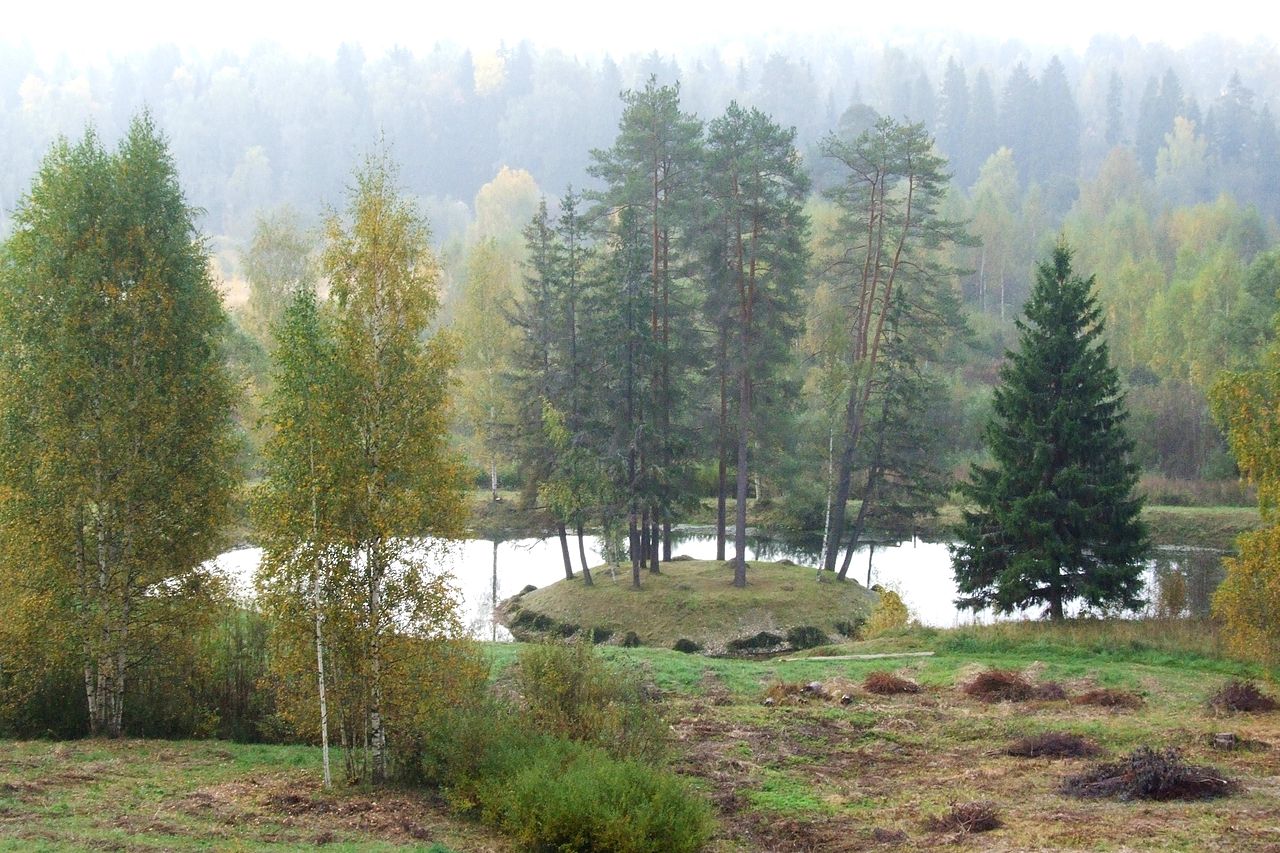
(1161, 167)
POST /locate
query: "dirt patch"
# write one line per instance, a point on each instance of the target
(1148, 774)
(1053, 745)
(1242, 697)
(887, 684)
(1110, 698)
(965, 818)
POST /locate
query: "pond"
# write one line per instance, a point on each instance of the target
(485, 571)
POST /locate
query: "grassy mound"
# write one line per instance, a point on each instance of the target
(695, 601)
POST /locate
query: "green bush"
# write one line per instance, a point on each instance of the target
(572, 797)
(851, 628)
(762, 640)
(601, 635)
(631, 640)
(806, 637)
(687, 646)
(568, 690)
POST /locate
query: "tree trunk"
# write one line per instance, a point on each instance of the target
(666, 540)
(655, 539)
(564, 550)
(493, 478)
(740, 521)
(377, 736)
(582, 556)
(324, 704)
(635, 546)
(722, 479)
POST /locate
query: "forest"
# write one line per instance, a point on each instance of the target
(351, 310)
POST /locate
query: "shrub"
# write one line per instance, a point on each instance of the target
(631, 640)
(573, 797)
(806, 637)
(1053, 745)
(601, 635)
(568, 629)
(756, 642)
(551, 793)
(889, 614)
(687, 646)
(851, 628)
(1237, 695)
(887, 684)
(967, 817)
(1147, 774)
(570, 691)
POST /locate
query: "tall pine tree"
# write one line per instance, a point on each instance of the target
(1054, 519)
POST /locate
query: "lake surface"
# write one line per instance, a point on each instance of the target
(485, 571)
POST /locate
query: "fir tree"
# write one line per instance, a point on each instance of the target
(1054, 519)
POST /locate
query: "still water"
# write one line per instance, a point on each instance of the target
(485, 571)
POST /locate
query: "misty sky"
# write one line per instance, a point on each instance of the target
(91, 29)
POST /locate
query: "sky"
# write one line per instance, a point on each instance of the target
(91, 31)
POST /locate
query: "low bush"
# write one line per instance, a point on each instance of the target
(1053, 745)
(1241, 696)
(889, 614)
(851, 628)
(631, 640)
(966, 817)
(687, 646)
(806, 637)
(574, 797)
(756, 642)
(1148, 774)
(568, 629)
(551, 793)
(887, 684)
(568, 690)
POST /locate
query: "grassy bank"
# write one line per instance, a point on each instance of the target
(694, 600)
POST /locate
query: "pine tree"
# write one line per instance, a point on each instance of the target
(755, 185)
(1054, 519)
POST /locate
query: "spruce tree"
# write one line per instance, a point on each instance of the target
(1054, 518)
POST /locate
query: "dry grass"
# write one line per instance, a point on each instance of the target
(1148, 774)
(1237, 696)
(887, 684)
(967, 818)
(1107, 697)
(999, 685)
(1053, 745)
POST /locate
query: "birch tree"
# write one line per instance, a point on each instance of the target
(398, 477)
(115, 410)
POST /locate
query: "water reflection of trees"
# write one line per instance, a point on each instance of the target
(1198, 570)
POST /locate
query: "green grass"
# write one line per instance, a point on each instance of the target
(695, 600)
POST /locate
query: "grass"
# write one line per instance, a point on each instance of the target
(806, 775)
(695, 600)
(202, 795)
